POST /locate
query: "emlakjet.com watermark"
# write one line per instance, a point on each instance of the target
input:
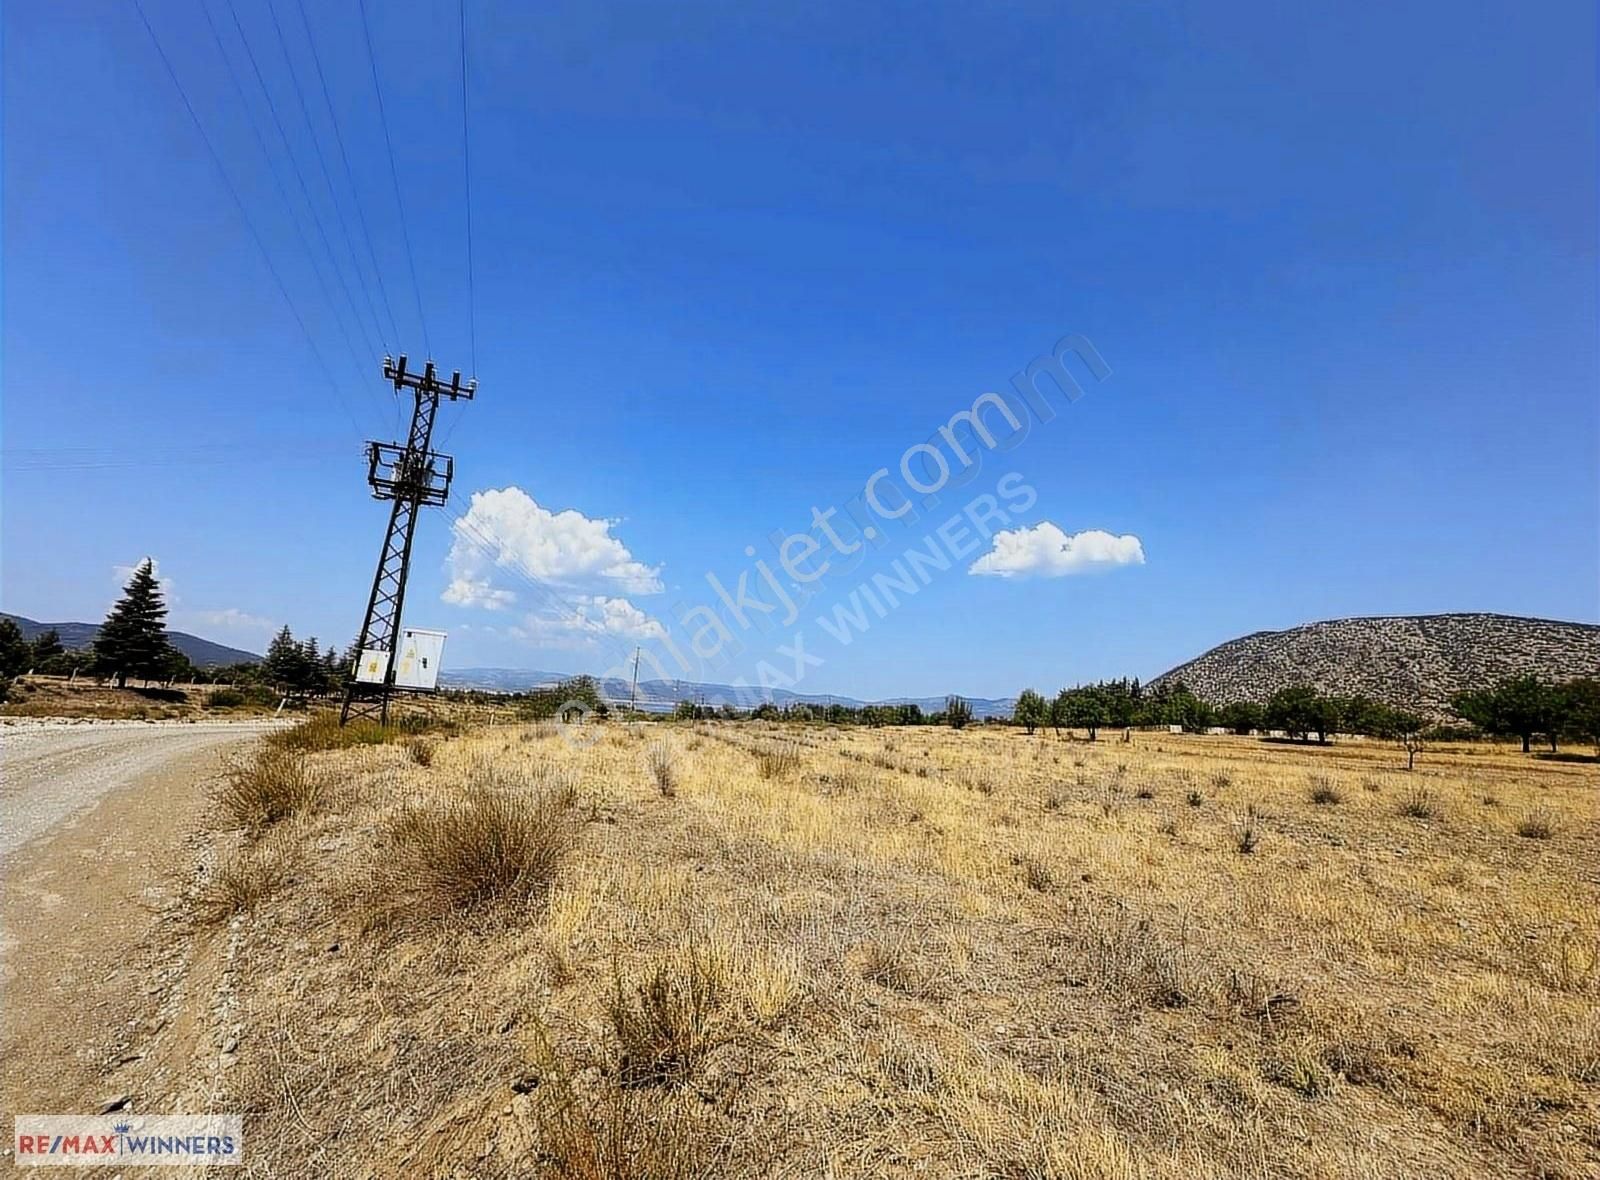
(77, 1141)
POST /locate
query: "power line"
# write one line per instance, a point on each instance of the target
(327, 178)
(244, 214)
(305, 190)
(466, 174)
(277, 184)
(349, 173)
(394, 175)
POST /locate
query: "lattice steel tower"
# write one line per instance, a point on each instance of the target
(413, 476)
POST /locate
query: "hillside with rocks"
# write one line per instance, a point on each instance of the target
(1411, 661)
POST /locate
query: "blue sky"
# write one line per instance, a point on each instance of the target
(731, 261)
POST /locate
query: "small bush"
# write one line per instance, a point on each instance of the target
(663, 768)
(1221, 781)
(244, 881)
(1144, 793)
(1246, 835)
(889, 965)
(1324, 792)
(1035, 874)
(1126, 955)
(778, 760)
(420, 749)
(273, 786)
(225, 698)
(1538, 824)
(1419, 803)
(668, 1022)
(486, 846)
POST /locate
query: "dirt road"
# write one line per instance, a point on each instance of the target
(52, 771)
(100, 830)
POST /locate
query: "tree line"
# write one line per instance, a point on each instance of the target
(133, 644)
(1522, 707)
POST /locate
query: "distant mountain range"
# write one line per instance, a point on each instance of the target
(1408, 661)
(201, 652)
(662, 696)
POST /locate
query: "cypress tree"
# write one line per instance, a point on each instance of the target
(133, 639)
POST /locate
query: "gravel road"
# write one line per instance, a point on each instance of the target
(52, 771)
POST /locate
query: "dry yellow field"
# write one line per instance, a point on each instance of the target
(824, 953)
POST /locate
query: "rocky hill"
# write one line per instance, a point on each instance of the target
(1413, 661)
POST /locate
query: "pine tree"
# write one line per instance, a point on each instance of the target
(133, 639)
(284, 661)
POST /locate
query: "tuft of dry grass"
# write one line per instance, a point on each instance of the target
(777, 760)
(1538, 824)
(1324, 792)
(663, 765)
(245, 879)
(666, 1023)
(272, 786)
(1419, 803)
(420, 749)
(486, 845)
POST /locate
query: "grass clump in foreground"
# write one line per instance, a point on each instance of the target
(489, 844)
(272, 787)
(667, 1022)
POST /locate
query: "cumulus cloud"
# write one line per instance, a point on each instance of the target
(506, 530)
(509, 551)
(1044, 551)
(586, 619)
(231, 619)
(123, 573)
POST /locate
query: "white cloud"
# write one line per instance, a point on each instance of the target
(477, 592)
(506, 530)
(1045, 551)
(587, 619)
(509, 551)
(230, 619)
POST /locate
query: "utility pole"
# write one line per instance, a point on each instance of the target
(633, 693)
(413, 477)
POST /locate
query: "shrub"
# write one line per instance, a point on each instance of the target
(273, 786)
(1419, 803)
(1246, 836)
(1035, 874)
(624, 1134)
(889, 965)
(1127, 956)
(1144, 793)
(1195, 799)
(226, 698)
(420, 749)
(668, 1022)
(1538, 824)
(663, 768)
(1323, 790)
(778, 759)
(244, 881)
(486, 846)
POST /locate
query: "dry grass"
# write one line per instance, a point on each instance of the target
(271, 786)
(663, 768)
(488, 844)
(836, 955)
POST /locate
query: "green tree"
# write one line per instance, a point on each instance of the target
(1406, 729)
(1086, 707)
(1521, 707)
(16, 656)
(957, 712)
(45, 645)
(283, 668)
(1031, 711)
(1242, 717)
(1582, 711)
(1293, 710)
(133, 639)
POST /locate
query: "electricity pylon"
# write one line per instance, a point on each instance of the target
(413, 476)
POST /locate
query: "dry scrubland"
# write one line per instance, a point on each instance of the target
(737, 950)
